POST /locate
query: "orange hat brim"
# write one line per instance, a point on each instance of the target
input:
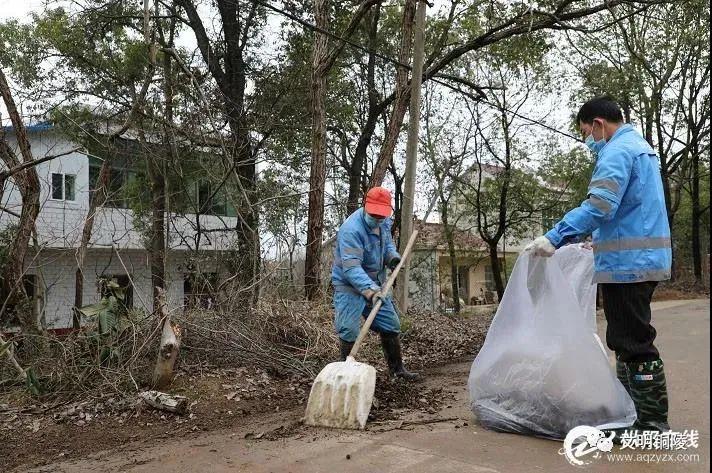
(378, 209)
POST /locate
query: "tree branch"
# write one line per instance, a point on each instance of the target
(23, 166)
(201, 37)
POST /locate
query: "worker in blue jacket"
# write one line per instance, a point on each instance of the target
(364, 249)
(625, 213)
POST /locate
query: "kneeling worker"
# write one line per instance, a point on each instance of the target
(364, 249)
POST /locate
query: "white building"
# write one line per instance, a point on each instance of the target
(117, 248)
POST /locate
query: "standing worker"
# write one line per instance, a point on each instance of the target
(364, 249)
(625, 211)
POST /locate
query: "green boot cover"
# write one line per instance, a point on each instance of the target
(649, 392)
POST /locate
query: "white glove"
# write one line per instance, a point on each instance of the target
(541, 246)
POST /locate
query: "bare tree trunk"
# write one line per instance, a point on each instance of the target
(169, 345)
(373, 114)
(98, 198)
(317, 177)
(322, 61)
(669, 208)
(397, 204)
(157, 172)
(358, 165)
(449, 237)
(229, 70)
(496, 268)
(402, 95)
(29, 185)
(411, 152)
(696, 217)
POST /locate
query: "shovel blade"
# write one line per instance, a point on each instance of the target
(341, 395)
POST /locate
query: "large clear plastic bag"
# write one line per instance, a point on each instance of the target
(542, 370)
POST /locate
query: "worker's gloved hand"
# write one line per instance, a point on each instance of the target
(394, 262)
(541, 246)
(372, 296)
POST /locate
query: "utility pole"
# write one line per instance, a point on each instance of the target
(411, 150)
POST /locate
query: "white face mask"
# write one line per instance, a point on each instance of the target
(592, 144)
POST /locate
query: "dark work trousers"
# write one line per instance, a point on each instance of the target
(630, 334)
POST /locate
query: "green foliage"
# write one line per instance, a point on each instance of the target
(137, 194)
(641, 62)
(570, 171)
(682, 225)
(94, 51)
(108, 319)
(33, 383)
(7, 236)
(525, 198)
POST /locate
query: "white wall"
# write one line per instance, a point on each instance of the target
(55, 271)
(60, 223)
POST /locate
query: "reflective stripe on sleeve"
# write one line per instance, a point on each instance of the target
(629, 277)
(353, 251)
(351, 263)
(608, 184)
(633, 244)
(601, 204)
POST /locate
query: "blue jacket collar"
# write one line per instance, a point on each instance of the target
(623, 129)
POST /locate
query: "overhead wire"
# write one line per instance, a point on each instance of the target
(355, 45)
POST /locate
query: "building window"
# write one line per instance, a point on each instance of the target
(69, 183)
(211, 202)
(57, 187)
(63, 186)
(119, 181)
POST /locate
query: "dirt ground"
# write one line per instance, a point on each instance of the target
(679, 290)
(243, 401)
(274, 411)
(418, 441)
(225, 399)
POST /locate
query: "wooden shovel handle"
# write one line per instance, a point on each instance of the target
(384, 290)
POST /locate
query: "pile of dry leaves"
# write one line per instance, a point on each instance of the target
(434, 338)
(228, 369)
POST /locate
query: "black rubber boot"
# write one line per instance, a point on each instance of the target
(345, 348)
(392, 352)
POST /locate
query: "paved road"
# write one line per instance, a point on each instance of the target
(684, 340)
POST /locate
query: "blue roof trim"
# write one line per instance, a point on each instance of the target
(44, 126)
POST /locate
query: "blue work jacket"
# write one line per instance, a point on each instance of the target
(361, 254)
(625, 213)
